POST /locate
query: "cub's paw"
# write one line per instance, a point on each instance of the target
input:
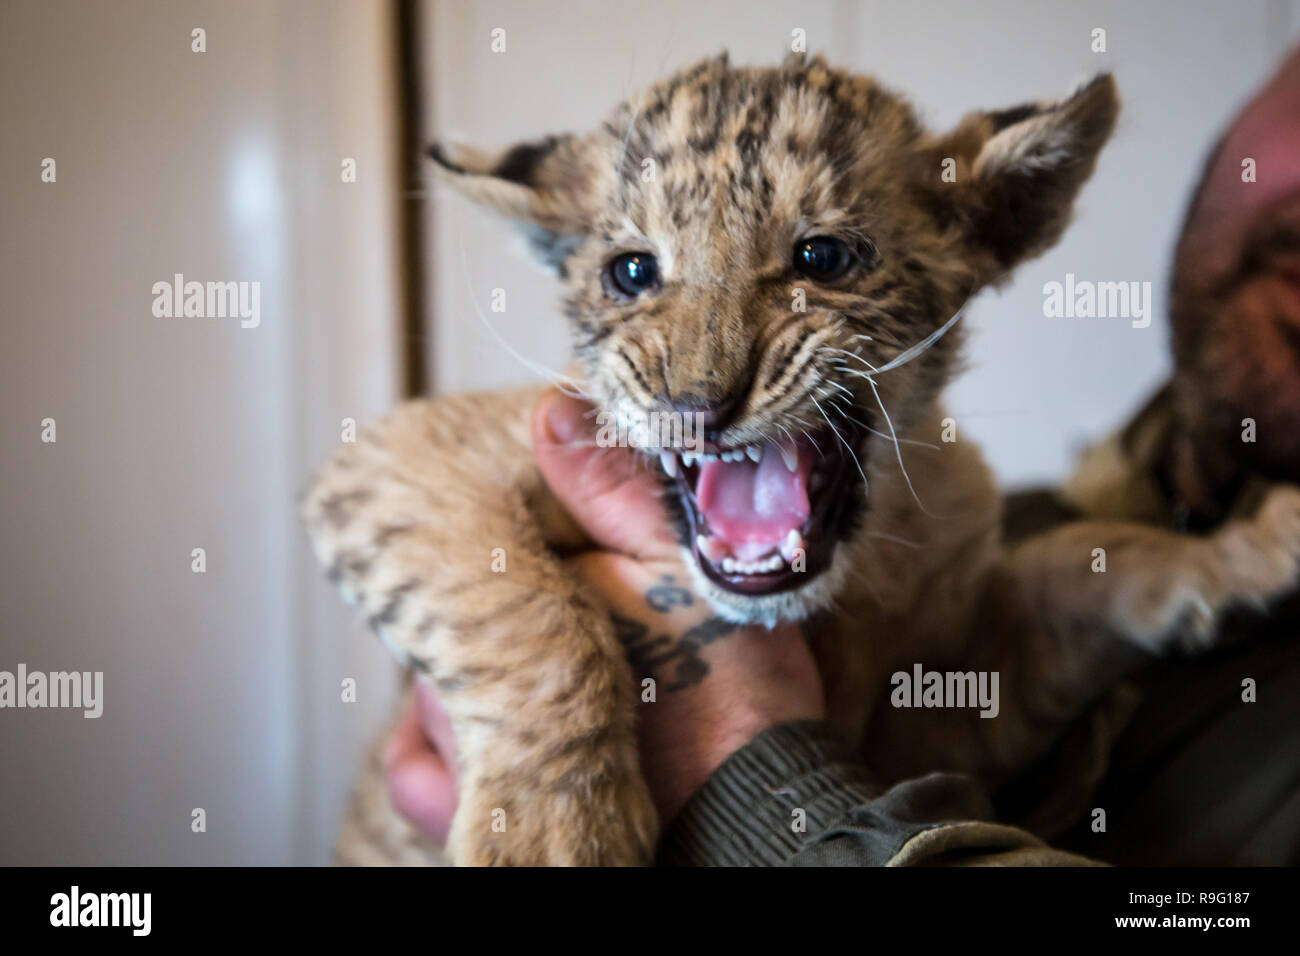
(1278, 520)
(1179, 597)
(1260, 558)
(594, 823)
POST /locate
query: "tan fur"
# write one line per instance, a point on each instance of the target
(747, 162)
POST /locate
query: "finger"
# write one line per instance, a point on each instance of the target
(609, 491)
(436, 724)
(420, 785)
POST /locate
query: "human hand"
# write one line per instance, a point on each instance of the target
(715, 684)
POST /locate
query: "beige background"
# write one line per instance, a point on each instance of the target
(222, 689)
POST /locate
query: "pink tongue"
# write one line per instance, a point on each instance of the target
(745, 503)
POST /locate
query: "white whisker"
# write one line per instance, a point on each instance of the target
(563, 382)
(898, 451)
(893, 538)
(847, 446)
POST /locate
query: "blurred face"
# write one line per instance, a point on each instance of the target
(1236, 296)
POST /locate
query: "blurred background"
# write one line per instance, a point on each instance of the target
(222, 689)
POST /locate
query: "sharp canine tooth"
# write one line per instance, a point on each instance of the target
(690, 457)
(793, 542)
(755, 454)
(669, 463)
(789, 455)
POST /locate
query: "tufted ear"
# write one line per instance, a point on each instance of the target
(545, 186)
(1019, 170)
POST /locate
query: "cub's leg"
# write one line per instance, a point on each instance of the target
(1081, 630)
(1060, 634)
(434, 524)
(372, 832)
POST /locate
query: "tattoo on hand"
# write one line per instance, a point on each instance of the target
(668, 594)
(649, 654)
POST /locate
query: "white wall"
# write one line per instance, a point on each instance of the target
(1037, 387)
(221, 689)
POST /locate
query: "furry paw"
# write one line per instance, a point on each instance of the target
(1248, 564)
(596, 823)
(1261, 557)
(1278, 519)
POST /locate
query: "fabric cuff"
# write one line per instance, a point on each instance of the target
(766, 800)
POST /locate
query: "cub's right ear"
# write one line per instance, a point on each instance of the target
(1020, 169)
(545, 186)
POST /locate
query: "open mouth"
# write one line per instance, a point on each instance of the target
(765, 518)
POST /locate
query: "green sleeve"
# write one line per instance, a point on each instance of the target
(793, 797)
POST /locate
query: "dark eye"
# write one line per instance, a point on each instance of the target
(634, 272)
(823, 258)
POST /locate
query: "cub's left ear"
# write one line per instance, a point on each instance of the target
(1019, 170)
(543, 186)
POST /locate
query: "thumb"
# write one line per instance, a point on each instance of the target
(609, 491)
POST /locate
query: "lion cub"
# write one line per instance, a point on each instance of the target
(790, 275)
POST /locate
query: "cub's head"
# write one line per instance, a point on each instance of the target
(776, 255)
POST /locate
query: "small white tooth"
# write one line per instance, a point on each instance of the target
(793, 542)
(729, 565)
(789, 455)
(738, 455)
(710, 549)
(690, 457)
(755, 454)
(708, 456)
(669, 463)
